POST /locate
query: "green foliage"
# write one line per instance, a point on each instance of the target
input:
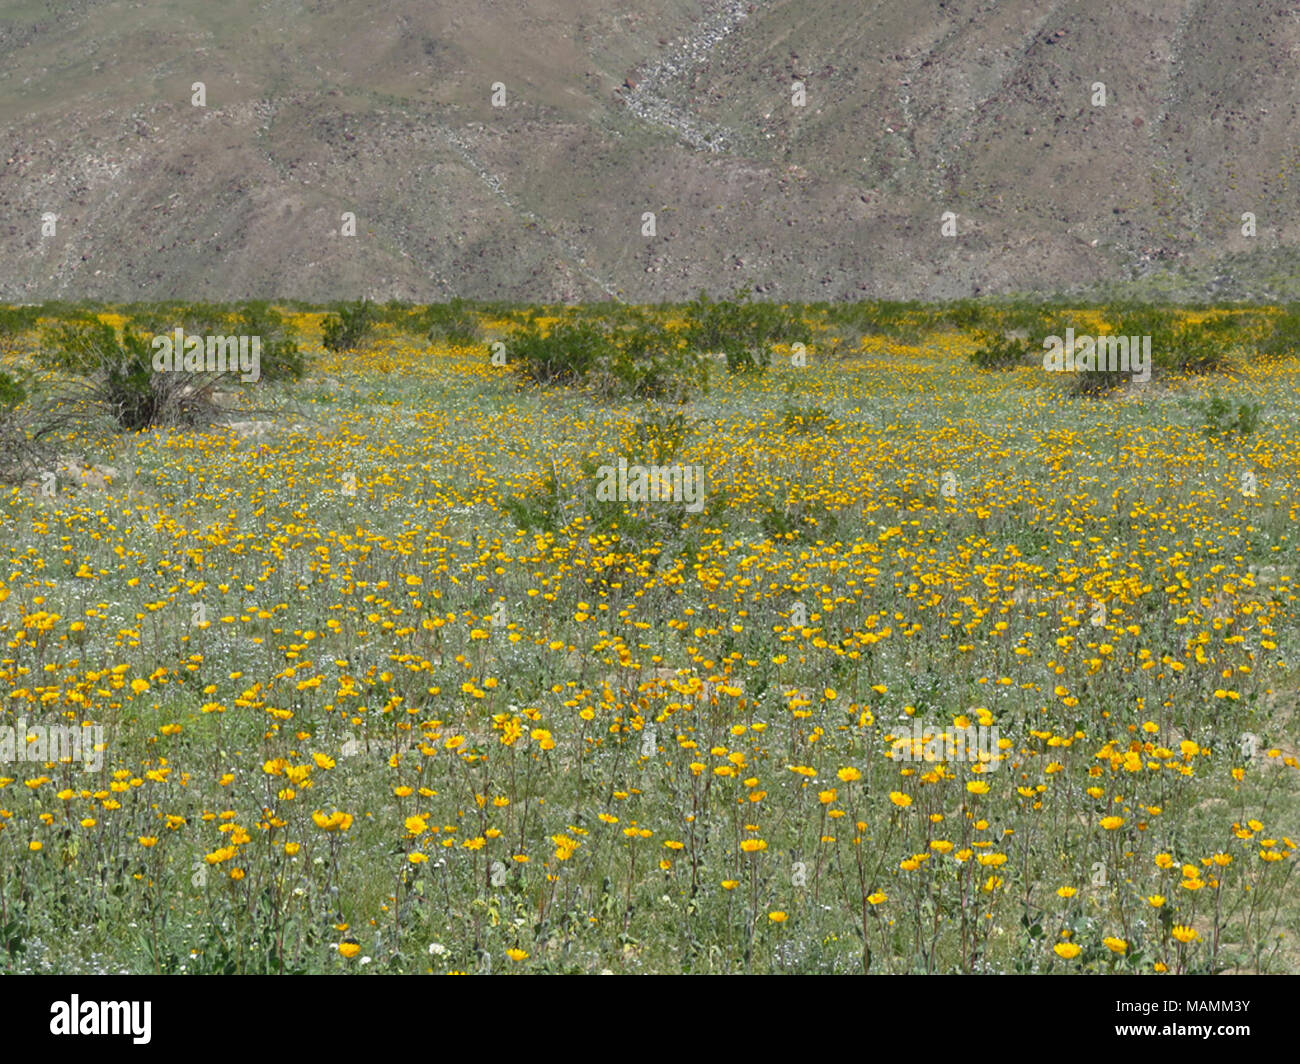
(648, 363)
(281, 357)
(75, 346)
(126, 384)
(565, 355)
(120, 381)
(27, 428)
(453, 323)
(1094, 384)
(13, 392)
(741, 329)
(658, 436)
(799, 518)
(905, 323)
(1284, 338)
(14, 321)
(1199, 348)
(1220, 416)
(806, 419)
(967, 315)
(1181, 347)
(1036, 320)
(997, 351)
(539, 511)
(348, 326)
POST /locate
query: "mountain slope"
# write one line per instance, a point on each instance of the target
(682, 109)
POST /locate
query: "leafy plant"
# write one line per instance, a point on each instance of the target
(453, 323)
(648, 363)
(1221, 418)
(116, 376)
(538, 511)
(348, 326)
(1200, 347)
(741, 329)
(1284, 338)
(997, 351)
(659, 436)
(14, 321)
(281, 358)
(565, 355)
(805, 419)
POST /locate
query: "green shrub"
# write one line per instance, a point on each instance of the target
(997, 351)
(13, 392)
(905, 323)
(1220, 417)
(649, 363)
(658, 437)
(1284, 337)
(967, 315)
(281, 357)
(453, 323)
(14, 321)
(1199, 348)
(117, 378)
(565, 355)
(348, 326)
(742, 330)
(806, 419)
(21, 449)
(538, 511)
(75, 346)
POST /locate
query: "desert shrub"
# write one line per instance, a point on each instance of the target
(904, 322)
(537, 511)
(1221, 417)
(798, 519)
(565, 355)
(115, 376)
(615, 315)
(641, 361)
(15, 462)
(1142, 319)
(806, 420)
(62, 310)
(203, 319)
(13, 391)
(648, 363)
(14, 322)
(28, 428)
(997, 351)
(453, 323)
(658, 436)
(967, 315)
(1284, 336)
(282, 359)
(348, 325)
(635, 526)
(122, 383)
(1204, 347)
(743, 357)
(156, 318)
(1096, 383)
(1035, 319)
(75, 346)
(741, 329)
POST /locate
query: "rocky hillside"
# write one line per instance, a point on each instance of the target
(609, 112)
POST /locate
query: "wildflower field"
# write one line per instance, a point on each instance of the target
(380, 684)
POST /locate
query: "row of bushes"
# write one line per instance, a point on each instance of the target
(641, 362)
(1178, 346)
(627, 350)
